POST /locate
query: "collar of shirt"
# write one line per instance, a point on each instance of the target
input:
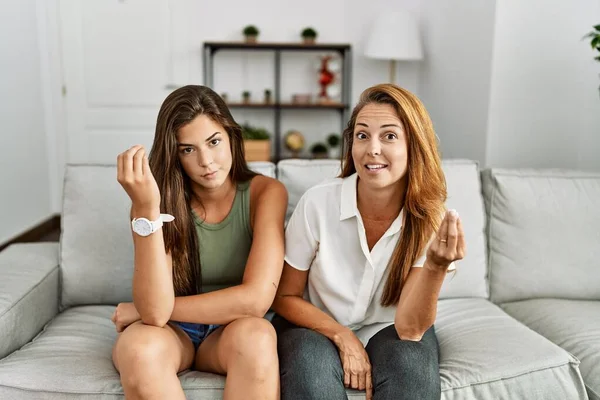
(349, 206)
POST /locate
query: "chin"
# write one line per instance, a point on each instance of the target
(380, 180)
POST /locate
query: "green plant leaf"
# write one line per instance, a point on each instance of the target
(597, 27)
(595, 42)
(597, 58)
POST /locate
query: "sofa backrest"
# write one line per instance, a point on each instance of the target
(300, 175)
(97, 247)
(464, 195)
(544, 234)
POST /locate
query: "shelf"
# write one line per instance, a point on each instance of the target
(311, 106)
(278, 107)
(299, 46)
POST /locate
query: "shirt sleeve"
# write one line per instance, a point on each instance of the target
(301, 242)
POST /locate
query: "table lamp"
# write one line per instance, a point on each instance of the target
(394, 36)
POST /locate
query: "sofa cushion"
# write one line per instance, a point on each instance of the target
(486, 354)
(464, 194)
(544, 235)
(266, 168)
(574, 325)
(71, 358)
(300, 175)
(96, 243)
(29, 281)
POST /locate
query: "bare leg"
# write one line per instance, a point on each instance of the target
(149, 358)
(245, 351)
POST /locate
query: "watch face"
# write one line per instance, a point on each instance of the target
(142, 227)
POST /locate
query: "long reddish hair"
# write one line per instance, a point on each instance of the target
(179, 109)
(426, 184)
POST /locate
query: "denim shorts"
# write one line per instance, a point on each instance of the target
(196, 332)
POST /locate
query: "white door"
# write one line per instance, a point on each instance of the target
(118, 65)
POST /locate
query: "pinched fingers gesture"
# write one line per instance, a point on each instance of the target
(449, 243)
(134, 175)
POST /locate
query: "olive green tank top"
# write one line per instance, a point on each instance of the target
(224, 247)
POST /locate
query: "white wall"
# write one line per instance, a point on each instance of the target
(25, 189)
(118, 72)
(455, 78)
(544, 107)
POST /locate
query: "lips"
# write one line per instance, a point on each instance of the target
(209, 174)
(375, 167)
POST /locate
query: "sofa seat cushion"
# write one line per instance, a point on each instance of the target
(72, 359)
(486, 354)
(574, 325)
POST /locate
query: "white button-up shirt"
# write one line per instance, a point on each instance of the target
(326, 235)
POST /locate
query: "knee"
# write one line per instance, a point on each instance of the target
(253, 341)
(406, 363)
(141, 359)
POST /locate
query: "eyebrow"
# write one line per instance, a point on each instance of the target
(207, 140)
(382, 126)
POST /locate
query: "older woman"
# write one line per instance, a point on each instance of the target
(366, 256)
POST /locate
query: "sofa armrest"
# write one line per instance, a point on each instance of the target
(29, 288)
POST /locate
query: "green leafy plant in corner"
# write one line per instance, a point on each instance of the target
(251, 30)
(594, 37)
(309, 33)
(250, 132)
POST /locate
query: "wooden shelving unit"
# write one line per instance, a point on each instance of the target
(345, 51)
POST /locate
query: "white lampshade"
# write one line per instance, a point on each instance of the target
(395, 36)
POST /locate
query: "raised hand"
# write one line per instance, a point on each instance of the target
(449, 243)
(134, 175)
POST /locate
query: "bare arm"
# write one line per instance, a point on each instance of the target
(254, 295)
(152, 283)
(290, 304)
(153, 293)
(417, 308)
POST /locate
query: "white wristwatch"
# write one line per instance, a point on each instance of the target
(145, 227)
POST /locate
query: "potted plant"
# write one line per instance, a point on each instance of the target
(257, 143)
(309, 35)
(250, 33)
(267, 96)
(246, 96)
(333, 140)
(319, 150)
(594, 37)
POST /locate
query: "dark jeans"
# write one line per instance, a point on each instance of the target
(311, 368)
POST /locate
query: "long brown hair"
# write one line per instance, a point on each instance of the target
(426, 184)
(179, 109)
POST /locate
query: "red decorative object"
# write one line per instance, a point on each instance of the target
(326, 78)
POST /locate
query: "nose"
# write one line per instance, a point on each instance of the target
(374, 147)
(204, 158)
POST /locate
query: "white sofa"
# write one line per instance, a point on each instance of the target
(519, 320)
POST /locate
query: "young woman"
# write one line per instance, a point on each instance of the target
(366, 255)
(202, 282)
